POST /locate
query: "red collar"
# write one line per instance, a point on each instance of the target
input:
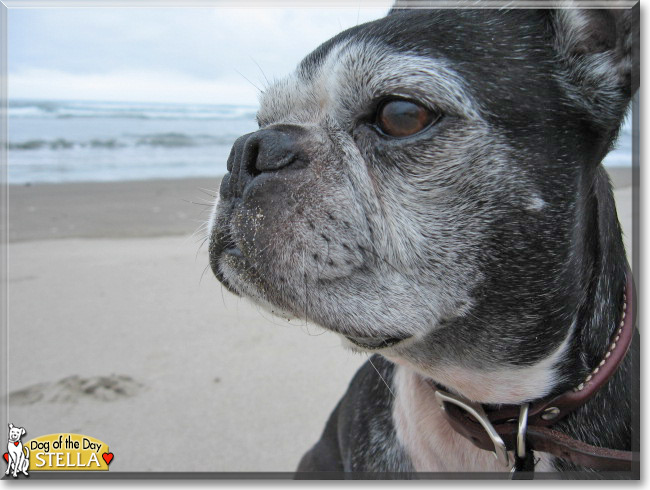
(497, 429)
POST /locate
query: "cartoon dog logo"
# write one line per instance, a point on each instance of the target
(16, 457)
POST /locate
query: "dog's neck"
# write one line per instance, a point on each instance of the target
(602, 271)
(417, 420)
(605, 419)
(602, 277)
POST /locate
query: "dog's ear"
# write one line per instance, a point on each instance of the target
(23, 431)
(598, 50)
(11, 426)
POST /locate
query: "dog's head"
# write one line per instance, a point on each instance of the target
(15, 433)
(419, 184)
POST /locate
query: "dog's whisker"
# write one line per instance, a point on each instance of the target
(245, 78)
(268, 84)
(271, 320)
(210, 201)
(223, 298)
(200, 246)
(203, 273)
(205, 210)
(210, 192)
(197, 203)
(304, 276)
(200, 241)
(323, 331)
(198, 235)
(195, 236)
(200, 232)
(200, 229)
(382, 378)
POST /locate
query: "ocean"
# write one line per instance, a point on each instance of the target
(110, 141)
(53, 141)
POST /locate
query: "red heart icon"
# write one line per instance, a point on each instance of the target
(16, 443)
(6, 455)
(108, 457)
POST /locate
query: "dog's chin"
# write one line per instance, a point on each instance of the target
(229, 267)
(220, 256)
(232, 269)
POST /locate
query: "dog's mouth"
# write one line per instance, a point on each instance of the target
(374, 343)
(222, 245)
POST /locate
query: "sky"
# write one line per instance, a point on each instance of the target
(185, 55)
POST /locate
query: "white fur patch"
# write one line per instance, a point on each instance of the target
(509, 385)
(535, 203)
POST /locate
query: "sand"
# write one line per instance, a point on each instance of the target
(117, 331)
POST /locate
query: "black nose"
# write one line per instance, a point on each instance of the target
(266, 150)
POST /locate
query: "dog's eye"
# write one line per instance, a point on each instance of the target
(400, 118)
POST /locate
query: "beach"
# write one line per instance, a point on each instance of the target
(117, 329)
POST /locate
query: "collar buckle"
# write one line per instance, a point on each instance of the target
(476, 411)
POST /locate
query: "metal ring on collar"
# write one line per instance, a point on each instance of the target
(476, 411)
(521, 430)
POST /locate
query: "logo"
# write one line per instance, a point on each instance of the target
(17, 457)
(55, 452)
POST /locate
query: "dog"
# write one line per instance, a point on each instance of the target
(429, 187)
(18, 459)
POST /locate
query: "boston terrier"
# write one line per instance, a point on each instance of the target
(429, 186)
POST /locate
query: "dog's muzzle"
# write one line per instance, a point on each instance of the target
(256, 160)
(262, 152)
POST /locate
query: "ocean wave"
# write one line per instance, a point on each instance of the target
(56, 144)
(179, 139)
(67, 110)
(166, 140)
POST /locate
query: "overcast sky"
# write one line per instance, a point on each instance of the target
(164, 54)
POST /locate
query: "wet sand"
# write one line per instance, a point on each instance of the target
(126, 209)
